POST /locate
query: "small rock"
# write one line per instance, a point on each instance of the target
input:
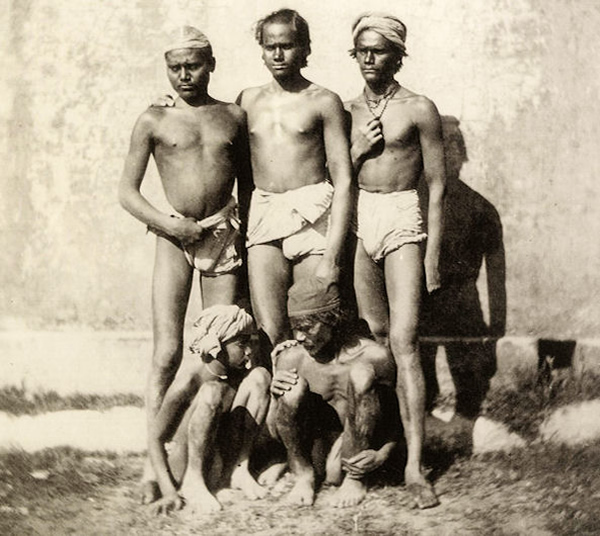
(41, 474)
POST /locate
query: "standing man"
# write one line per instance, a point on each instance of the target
(300, 210)
(396, 138)
(200, 146)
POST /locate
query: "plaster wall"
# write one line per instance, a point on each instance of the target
(521, 77)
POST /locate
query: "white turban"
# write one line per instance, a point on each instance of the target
(218, 324)
(390, 27)
(187, 37)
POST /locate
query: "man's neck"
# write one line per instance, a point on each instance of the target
(217, 369)
(374, 90)
(293, 84)
(196, 102)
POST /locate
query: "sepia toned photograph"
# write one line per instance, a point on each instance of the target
(287, 268)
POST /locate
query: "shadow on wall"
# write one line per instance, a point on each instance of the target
(453, 316)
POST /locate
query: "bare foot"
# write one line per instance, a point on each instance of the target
(272, 474)
(422, 493)
(350, 493)
(242, 479)
(149, 492)
(303, 492)
(198, 498)
(201, 501)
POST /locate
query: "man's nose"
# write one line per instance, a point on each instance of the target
(184, 74)
(300, 337)
(278, 53)
(369, 57)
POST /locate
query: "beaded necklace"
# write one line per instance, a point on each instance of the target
(374, 104)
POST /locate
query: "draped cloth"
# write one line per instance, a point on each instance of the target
(390, 27)
(218, 324)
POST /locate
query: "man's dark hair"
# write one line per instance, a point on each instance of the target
(286, 16)
(347, 327)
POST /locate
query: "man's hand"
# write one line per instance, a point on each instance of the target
(186, 230)
(164, 101)
(168, 504)
(283, 381)
(363, 463)
(368, 137)
(432, 275)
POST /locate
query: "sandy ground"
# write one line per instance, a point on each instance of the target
(502, 489)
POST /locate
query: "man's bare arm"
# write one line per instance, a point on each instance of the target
(130, 197)
(245, 183)
(337, 151)
(432, 148)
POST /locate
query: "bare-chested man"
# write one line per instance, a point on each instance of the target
(300, 209)
(200, 147)
(333, 403)
(396, 138)
(226, 404)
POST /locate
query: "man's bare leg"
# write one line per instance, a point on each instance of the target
(212, 400)
(362, 415)
(288, 430)
(171, 286)
(269, 275)
(404, 274)
(248, 412)
(371, 294)
(219, 290)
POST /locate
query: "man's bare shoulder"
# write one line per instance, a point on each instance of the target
(355, 103)
(420, 104)
(149, 118)
(364, 347)
(250, 94)
(233, 109)
(323, 94)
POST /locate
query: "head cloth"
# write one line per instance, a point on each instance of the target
(390, 27)
(310, 296)
(218, 324)
(187, 37)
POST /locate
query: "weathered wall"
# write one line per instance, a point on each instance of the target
(521, 77)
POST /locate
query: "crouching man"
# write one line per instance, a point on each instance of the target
(331, 398)
(212, 412)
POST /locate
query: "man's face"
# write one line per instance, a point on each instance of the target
(281, 53)
(239, 351)
(314, 336)
(188, 70)
(376, 57)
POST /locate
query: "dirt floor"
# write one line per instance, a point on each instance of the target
(539, 490)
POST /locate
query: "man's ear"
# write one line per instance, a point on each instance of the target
(214, 64)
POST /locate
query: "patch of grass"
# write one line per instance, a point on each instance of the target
(564, 481)
(523, 407)
(28, 481)
(19, 401)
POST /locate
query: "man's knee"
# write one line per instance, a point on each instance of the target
(404, 341)
(258, 380)
(362, 378)
(210, 396)
(293, 398)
